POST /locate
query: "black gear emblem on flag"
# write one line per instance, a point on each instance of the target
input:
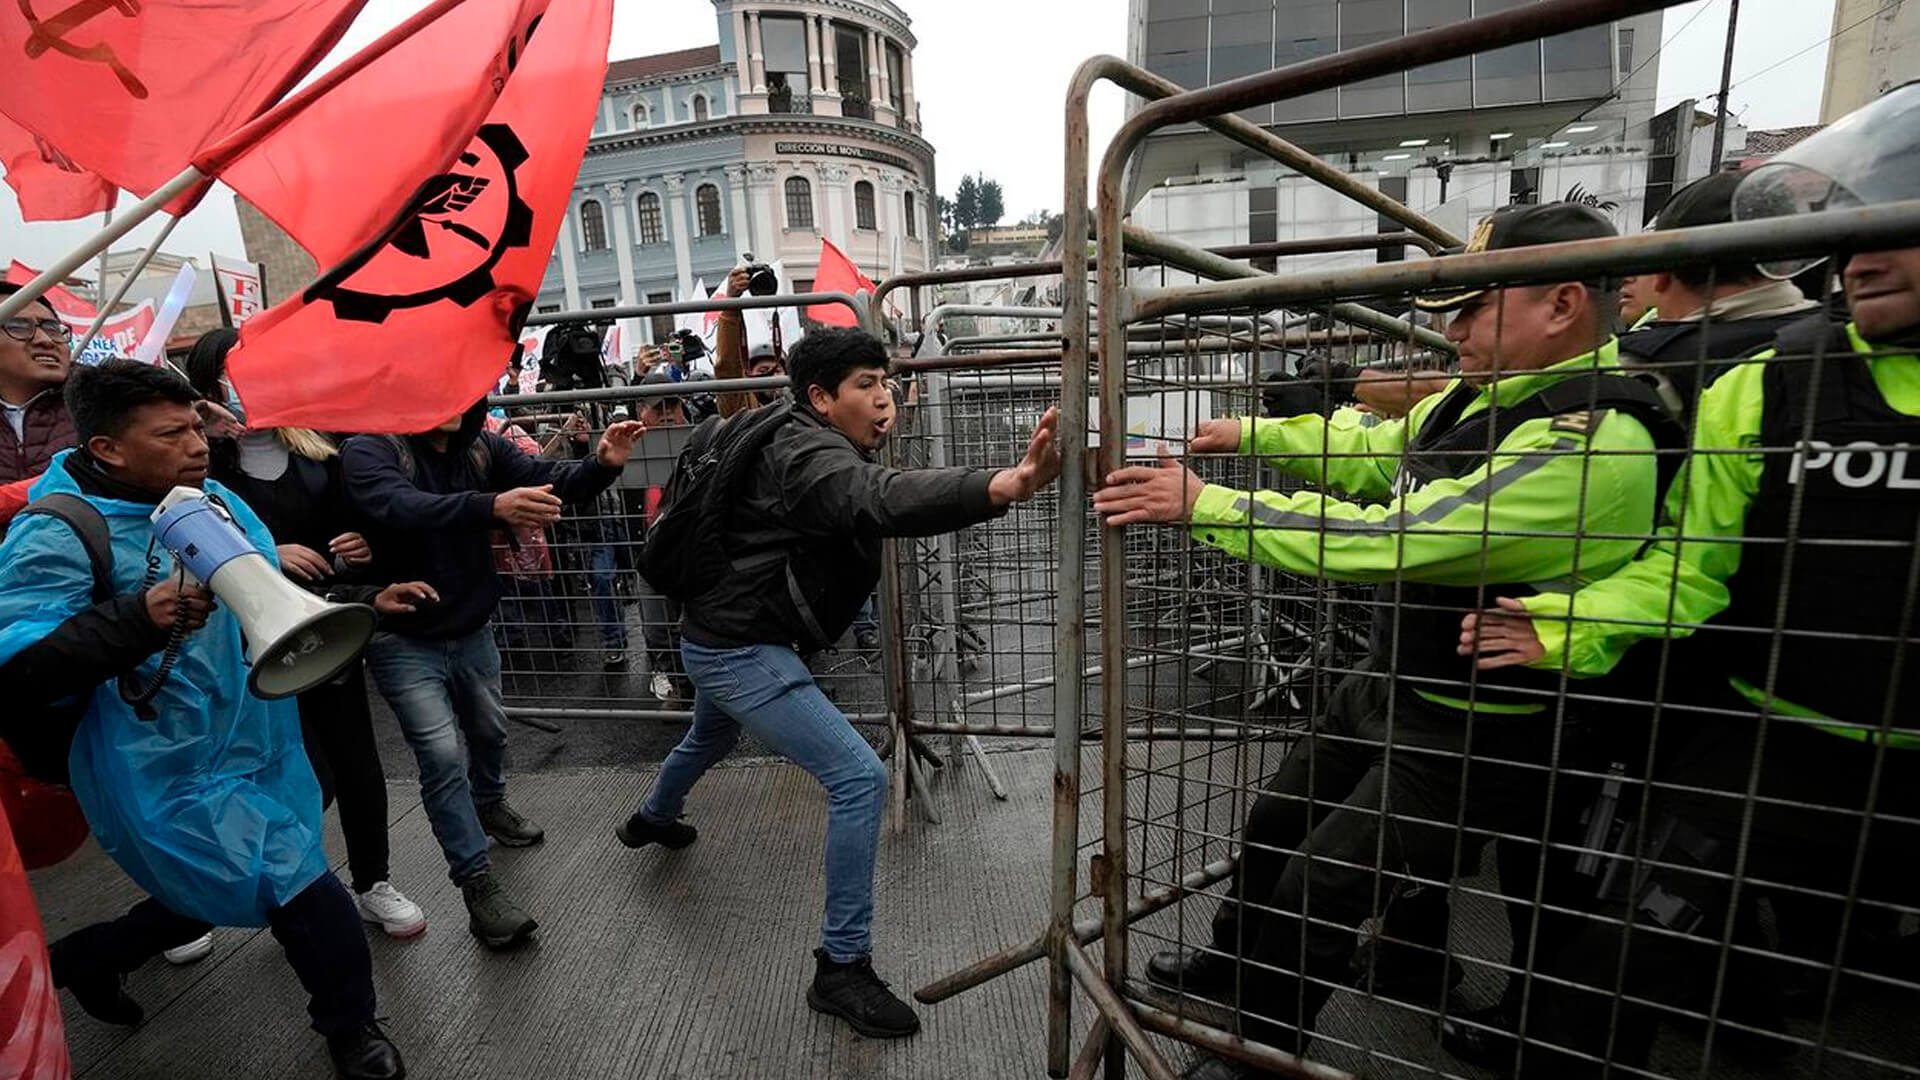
(446, 243)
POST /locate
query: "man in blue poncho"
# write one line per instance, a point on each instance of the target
(203, 793)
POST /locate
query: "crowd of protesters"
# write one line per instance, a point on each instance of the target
(1593, 476)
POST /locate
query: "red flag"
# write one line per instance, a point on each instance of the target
(65, 304)
(837, 274)
(50, 186)
(132, 89)
(322, 179)
(418, 324)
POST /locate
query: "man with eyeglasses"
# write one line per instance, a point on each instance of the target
(36, 352)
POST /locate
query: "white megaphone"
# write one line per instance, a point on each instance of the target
(295, 640)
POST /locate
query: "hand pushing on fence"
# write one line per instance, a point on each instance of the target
(1143, 493)
(1040, 466)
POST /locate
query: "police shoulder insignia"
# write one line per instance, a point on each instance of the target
(1582, 422)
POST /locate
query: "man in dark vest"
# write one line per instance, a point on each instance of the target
(1534, 469)
(1790, 562)
(36, 352)
(1708, 315)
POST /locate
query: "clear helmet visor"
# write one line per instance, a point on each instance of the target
(1869, 157)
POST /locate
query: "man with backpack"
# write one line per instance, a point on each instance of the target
(431, 503)
(772, 536)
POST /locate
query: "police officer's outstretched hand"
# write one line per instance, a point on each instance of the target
(1502, 638)
(1216, 437)
(1144, 493)
(1040, 466)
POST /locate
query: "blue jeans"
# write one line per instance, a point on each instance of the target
(603, 567)
(441, 691)
(769, 691)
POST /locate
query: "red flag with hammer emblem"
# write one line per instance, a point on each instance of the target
(419, 319)
(50, 186)
(130, 90)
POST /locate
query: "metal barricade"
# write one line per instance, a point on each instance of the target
(1183, 766)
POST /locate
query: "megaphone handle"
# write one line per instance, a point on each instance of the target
(141, 697)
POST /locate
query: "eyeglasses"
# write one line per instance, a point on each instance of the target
(21, 329)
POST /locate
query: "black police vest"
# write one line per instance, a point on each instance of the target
(1691, 355)
(1416, 626)
(1850, 570)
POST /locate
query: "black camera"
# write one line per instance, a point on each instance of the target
(571, 358)
(1321, 385)
(761, 280)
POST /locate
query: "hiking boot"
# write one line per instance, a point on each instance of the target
(398, 916)
(637, 832)
(855, 994)
(504, 823)
(365, 1053)
(493, 918)
(192, 952)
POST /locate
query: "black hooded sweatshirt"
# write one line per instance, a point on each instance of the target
(436, 525)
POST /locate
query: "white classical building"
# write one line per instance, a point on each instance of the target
(800, 125)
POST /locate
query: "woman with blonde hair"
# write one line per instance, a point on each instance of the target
(291, 478)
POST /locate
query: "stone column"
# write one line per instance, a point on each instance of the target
(741, 227)
(619, 213)
(764, 191)
(876, 63)
(759, 56)
(836, 198)
(814, 65)
(912, 104)
(830, 62)
(570, 255)
(606, 114)
(682, 235)
(742, 54)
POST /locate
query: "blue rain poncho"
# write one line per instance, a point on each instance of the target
(211, 806)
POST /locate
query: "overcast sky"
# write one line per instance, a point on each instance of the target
(991, 76)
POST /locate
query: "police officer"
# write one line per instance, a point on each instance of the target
(1798, 513)
(1463, 496)
(1706, 314)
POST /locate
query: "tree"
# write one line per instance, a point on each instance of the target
(992, 206)
(966, 205)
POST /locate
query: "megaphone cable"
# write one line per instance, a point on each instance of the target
(141, 698)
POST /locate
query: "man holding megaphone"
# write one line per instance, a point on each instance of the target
(197, 786)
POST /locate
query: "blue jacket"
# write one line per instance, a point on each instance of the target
(435, 523)
(211, 806)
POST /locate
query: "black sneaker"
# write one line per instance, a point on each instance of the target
(365, 1053)
(855, 994)
(494, 918)
(504, 823)
(103, 994)
(638, 832)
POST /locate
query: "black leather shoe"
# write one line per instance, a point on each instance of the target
(1193, 971)
(103, 995)
(1219, 1068)
(365, 1053)
(1482, 1037)
(855, 994)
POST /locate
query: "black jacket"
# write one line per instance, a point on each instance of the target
(436, 525)
(804, 538)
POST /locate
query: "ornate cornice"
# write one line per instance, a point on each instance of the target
(672, 77)
(767, 123)
(881, 13)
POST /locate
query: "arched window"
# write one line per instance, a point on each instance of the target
(707, 201)
(651, 231)
(700, 111)
(863, 217)
(642, 116)
(593, 226)
(913, 220)
(799, 203)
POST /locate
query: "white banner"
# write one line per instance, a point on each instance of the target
(242, 289)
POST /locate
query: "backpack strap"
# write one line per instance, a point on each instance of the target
(87, 523)
(1578, 404)
(1814, 336)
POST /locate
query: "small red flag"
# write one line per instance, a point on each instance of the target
(837, 274)
(50, 186)
(418, 323)
(132, 89)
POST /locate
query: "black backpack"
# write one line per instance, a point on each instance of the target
(42, 743)
(684, 555)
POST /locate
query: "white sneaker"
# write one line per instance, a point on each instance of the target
(192, 952)
(397, 915)
(662, 687)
